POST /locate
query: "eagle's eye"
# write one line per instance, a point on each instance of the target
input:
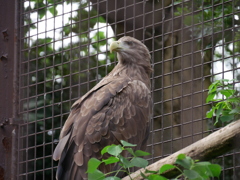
(129, 43)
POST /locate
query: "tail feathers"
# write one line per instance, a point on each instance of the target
(59, 149)
(67, 168)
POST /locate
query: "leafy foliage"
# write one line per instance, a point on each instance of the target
(192, 170)
(197, 170)
(116, 157)
(189, 169)
(225, 101)
(209, 18)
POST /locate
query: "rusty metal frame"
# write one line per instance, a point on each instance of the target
(9, 88)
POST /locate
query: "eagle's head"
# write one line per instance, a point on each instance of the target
(130, 50)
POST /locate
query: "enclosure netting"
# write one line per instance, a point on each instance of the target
(64, 53)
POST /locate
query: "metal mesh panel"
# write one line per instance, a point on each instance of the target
(64, 53)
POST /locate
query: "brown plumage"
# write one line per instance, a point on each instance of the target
(117, 108)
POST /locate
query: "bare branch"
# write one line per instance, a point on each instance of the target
(216, 144)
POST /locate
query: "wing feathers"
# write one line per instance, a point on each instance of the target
(62, 143)
(78, 158)
(115, 111)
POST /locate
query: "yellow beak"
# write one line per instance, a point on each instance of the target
(115, 46)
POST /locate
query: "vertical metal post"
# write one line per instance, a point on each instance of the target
(8, 88)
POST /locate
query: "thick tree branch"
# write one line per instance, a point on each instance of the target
(216, 144)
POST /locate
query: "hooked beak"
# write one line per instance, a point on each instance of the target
(115, 46)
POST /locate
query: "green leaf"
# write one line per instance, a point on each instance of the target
(218, 111)
(235, 111)
(114, 150)
(98, 36)
(139, 162)
(227, 92)
(181, 156)
(124, 143)
(152, 172)
(130, 150)
(210, 113)
(110, 160)
(227, 118)
(105, 149)
(141, 153)
(213, 87)
(166, 167)
(210, 97)
(96, 175)
(215, 169)
(143, 175)
(226, 111)
(203, 163)
(93, 164)
(101, 19)
(156, 177)
(125, 162)
(50, 1)
(48, 40)
(112, 178)
(186, 162)
(234, 100)
(42, 12)
(191, 174)
(66, 30)
(202, 170)
(52, 10)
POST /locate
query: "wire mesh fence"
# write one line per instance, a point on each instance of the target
(64, 53)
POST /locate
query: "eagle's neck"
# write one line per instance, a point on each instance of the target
(133, 71)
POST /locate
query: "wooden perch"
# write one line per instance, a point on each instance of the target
(215, 144)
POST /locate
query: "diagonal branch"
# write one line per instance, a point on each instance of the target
(210, 147)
